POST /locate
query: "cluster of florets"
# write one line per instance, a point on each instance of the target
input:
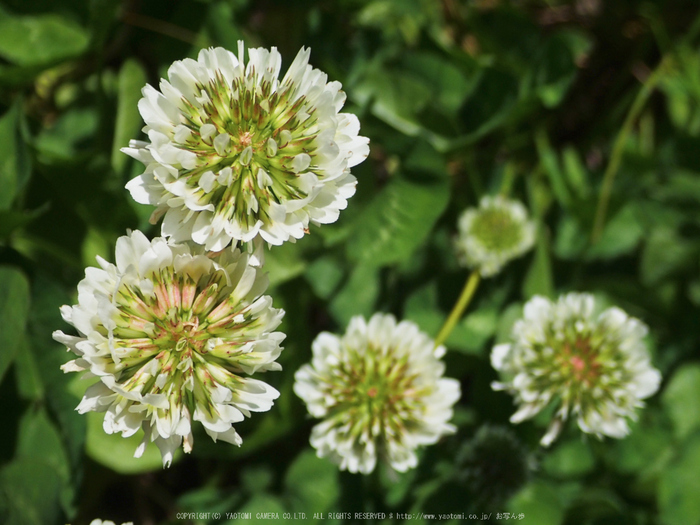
(593, 366)
(175, 329)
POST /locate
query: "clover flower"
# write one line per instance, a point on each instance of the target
(594, 367)
(171, 335)
(235, 153)
(492, 234)
(380, 392)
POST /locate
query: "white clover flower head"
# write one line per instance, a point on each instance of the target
(594, 367)
(235, 153)
(492, 234)
(380, 392)
(172, 335)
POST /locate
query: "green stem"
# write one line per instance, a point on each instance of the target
(619, 147)
(456, 313)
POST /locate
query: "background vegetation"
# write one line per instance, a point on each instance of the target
(588, 111)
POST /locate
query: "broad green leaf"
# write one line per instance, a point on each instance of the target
(29, 492)
(397, 222)
(14, 306)
(312, 483)
(65, 138)
(665, 253)
(39, 40)
(358, 295)
(540, 503)
(132, 79)
(554, 71)
(259, 505)
(48, 355)
(284, 262)
(117, 453)
(11, 220)
(644, 449)
(569, 459)
(447, 83)
(39, 439)
(490, 103)
(621, 235)
(95, 244)
(570, 240)
(324, 275)
(14, 159)
(680, 399)
(209, 499)
(679, 486)
(28, 376)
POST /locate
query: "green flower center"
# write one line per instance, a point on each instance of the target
(191, 329)
(376, 392)
(497, 230)
(240, 130)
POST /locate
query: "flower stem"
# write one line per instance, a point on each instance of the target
(619, 148)
(459, 307)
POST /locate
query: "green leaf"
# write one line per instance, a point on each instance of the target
(358, 295)
(665, 253)
(14, 158)
(259, 505)
(554, 71)
(550, 163)
(679, 487)
(66, 137)
(117, 453)
(621, 235)
(324, 275)
(11, 220)
(576, 173)
(312, 483)
(39, 40)
(39, 439)
(569, 459)
(29, 493)
(539, 279)
(490, 103)
(397, 222)
(132, 79)
(644, 449)
(680, 399)
(540, 503)
(469, 335)
(29, 384)
(446, 82)
(48, 355)
(14, 307)
(284, 263)
(570, 240)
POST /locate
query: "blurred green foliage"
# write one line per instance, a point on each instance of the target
(542, 99)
